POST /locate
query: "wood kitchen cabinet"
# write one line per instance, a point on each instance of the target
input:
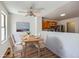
(47, 24)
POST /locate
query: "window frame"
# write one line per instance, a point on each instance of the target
(4, 27)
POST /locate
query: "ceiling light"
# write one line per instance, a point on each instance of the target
(63, 14)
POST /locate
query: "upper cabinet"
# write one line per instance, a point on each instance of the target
(48, 23)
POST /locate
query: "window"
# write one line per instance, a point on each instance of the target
(3, 26)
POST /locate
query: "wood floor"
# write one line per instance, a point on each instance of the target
(32, 53)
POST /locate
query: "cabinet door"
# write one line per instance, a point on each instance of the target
(53, 24)
(45, 24)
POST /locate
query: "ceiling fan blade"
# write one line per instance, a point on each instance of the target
(36, 11)
(27, 15)
(33, 5)
(37, 14)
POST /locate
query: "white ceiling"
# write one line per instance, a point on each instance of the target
(71, 9)
(52, 9)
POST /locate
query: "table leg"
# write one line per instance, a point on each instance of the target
(38, 50)
(25, 50)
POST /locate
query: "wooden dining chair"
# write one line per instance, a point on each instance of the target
(16, 48)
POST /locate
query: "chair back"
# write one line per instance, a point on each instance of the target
(12, 44)
(11, 40)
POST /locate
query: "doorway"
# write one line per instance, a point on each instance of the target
(71, 27)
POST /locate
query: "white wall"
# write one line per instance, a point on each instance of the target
(35, 23)
(63, 44)
(5, 45)
(76, 20)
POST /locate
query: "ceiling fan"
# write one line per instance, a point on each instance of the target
(32, 11)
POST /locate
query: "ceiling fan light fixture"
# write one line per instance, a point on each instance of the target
(32, 11)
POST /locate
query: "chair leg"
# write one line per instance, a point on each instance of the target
(21, 54)
(13, 56)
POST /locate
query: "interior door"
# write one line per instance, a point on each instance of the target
(71, 27)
